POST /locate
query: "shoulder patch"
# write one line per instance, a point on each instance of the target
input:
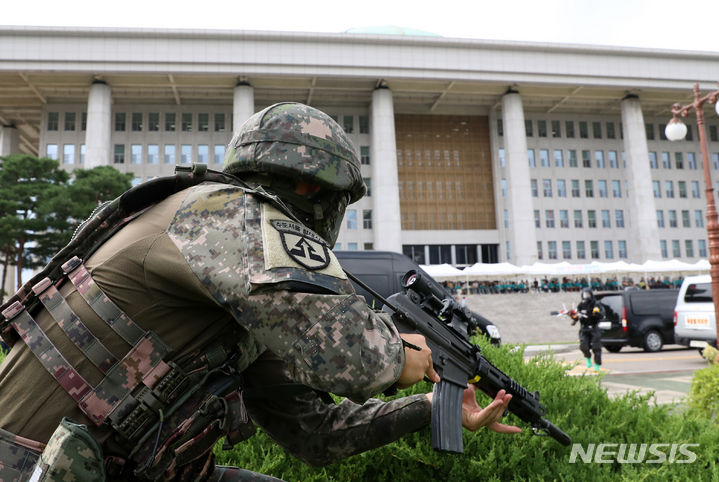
(301, 244)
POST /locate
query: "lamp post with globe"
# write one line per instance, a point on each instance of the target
(676, 130)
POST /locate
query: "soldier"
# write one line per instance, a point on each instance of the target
(214, 308)
(588, 314)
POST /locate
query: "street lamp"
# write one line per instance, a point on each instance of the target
(676, 130)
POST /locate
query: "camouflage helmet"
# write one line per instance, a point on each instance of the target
(291, 142)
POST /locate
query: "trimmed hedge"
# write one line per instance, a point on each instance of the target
(578, 405)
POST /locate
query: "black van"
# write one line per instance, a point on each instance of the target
(382, 271)
(641, 318)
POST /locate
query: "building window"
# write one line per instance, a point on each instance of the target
(619, 218)
(679, 160)
(575, 188)
(563, 218)
(169, 154)
(611, 134)
(137, 121)
(120, 121)
(591, 218)
(203, 122)
(572, 155)
(689, 136)
(219, 153)
(650, 131)
(83, 121)
(715, 159)
(547, 187)
(583, 130)
(153, 121)
(663, 248)
(608, 249)
(506, 219)
(440, 253)
(695, 189)
(537, 221)
(528, 128)
(556, 129)
(588, 188)
(69, 121)
(348, 123)
(540, 255)
(613, 160)
(597, 130)
(586, 159)
(616, 188)
(606, 219)
(682, 187)
(186, 154)
(535, 189)
(170, 121)
(532, 160)
(136, 154)
(676, 251)
(581, 251)
(666, 160)
(368, 183)
(569, 129)
(594, 248)
(549, 218)
(599, 156)
(653, 164)
(691, 160)
(203, 153)
(544, 157)
(83, 149)
(552, 249)
(702, 247)
(352, 246)
(368, 246)
(672, 218)
(686, 222)
(578, 223)
(669, 188)
(656, 188)
(119, 154)
(602, 185)
(660, 218)
(187, 122)
(153, 153)
(622, 249)
(558, 158)
(502, 162)
(364, 155)
(713, 134)
(367, 219)
(689, 248)
(541, 128)
(351, 217)
(68, 154)
(364, 124)
(698, 218)
(561, 188)
(504, 187)
(566, 250)
(53, 121)
(415, 252)
(135, 181)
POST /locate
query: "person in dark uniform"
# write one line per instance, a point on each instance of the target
(588, 314)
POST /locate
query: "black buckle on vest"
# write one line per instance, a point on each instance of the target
(69, 266)
(13, 310)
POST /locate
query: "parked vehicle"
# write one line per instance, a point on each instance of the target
(641, 318)
(694, 320)
(382, 271)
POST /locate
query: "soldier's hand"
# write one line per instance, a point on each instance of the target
(474, 417)
(417, 363)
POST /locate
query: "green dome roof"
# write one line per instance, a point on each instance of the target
(391, 30)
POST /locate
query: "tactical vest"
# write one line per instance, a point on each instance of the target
(166, 416)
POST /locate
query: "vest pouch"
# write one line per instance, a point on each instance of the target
(71, 454)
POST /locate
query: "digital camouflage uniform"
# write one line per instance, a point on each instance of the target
(215, 262)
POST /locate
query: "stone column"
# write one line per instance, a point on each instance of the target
(385, 191)
(98, 148)
(243, 106)
(643, 242)
(521, 233)
(9, 140)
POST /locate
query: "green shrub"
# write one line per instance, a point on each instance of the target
(578, 405)
(704, 394)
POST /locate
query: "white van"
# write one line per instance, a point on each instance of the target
(694, 320)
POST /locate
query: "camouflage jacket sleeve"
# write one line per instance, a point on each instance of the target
(318, 432)
(285, 286)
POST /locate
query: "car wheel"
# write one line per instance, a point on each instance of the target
(613, 348)
(653, 341)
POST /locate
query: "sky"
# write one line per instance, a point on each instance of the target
(626, 23)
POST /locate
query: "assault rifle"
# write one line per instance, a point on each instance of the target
(425, 307)
(573, 314)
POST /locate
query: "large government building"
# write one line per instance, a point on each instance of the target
(472, 150)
